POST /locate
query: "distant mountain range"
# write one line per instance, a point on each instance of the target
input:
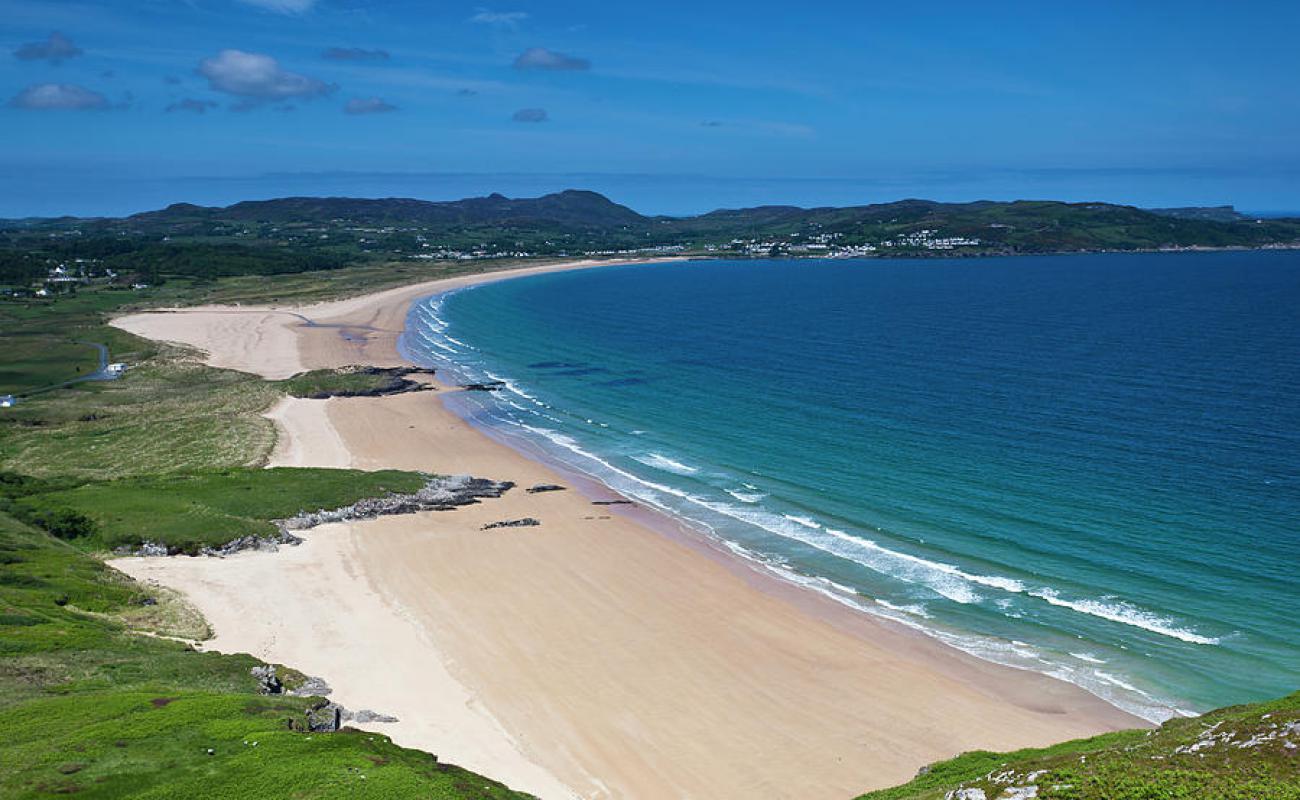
(569, 208)
(296, 233)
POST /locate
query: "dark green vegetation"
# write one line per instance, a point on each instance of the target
(188, 511)
(1247, 752)
(299, 235)
(93, 707)
(351, 382)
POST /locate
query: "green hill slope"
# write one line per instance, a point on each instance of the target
(1249, 752)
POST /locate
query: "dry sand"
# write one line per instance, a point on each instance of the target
(602, 654)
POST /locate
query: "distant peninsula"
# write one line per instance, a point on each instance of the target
(300, 234)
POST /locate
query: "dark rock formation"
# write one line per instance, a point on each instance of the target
(612, 503)
(268, 544)
(366, 715)
(267, 681)
(545, 487)
(489, 386)
(324, 717)
(311, 687)
(439, 494)
(526, 522)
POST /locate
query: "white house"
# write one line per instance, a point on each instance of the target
(115, 370)
(7, 401)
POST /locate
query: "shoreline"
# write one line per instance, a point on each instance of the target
(716, 678)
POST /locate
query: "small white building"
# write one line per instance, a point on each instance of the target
(115, 370)
(7, 401)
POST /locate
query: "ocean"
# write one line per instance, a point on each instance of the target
(1087, 465)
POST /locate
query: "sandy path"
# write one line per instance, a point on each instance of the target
(623, 662)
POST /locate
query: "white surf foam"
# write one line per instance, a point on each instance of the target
(660, 461)
(1125, 613)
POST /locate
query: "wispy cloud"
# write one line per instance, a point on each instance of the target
(258, 77)
(58, 97)
(354, 54)
(56, 49)
(191, 105)
(282, 6)
(531, 115)
(368, 105)
(505, 19)
(542, 59)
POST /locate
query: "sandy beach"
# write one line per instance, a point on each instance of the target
(605, 653)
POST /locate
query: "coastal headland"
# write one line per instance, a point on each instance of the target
(606, 652)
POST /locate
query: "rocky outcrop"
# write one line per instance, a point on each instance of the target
(545, 487)
(267, 681)
(268, 544)
(612, 502)
(311, 687)
(324, 716)
(396, 382)
(439, 494)
(366, 715)
(488, 386)
(526, 522)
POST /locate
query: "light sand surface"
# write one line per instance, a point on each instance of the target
(603, 651)
(305, 436)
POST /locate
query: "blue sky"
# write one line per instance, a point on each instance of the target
(671, 107)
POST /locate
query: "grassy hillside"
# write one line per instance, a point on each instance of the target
(191, 510)
(90, 705)
(1247, 752)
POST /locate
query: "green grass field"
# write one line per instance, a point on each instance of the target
(187, 511)
(168, 414)
(45, 342)
(339, 382)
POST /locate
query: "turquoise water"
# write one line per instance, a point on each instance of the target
(1083, 465)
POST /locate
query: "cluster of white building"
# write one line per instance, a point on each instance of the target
(930, 240)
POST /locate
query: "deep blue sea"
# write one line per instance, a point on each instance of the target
(1083, 465)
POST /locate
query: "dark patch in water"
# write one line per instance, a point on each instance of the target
(555, 365)
(623, 382)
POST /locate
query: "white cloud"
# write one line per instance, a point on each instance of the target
(282, 6)
(541, 58)
(259, 77)
(58, 97)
